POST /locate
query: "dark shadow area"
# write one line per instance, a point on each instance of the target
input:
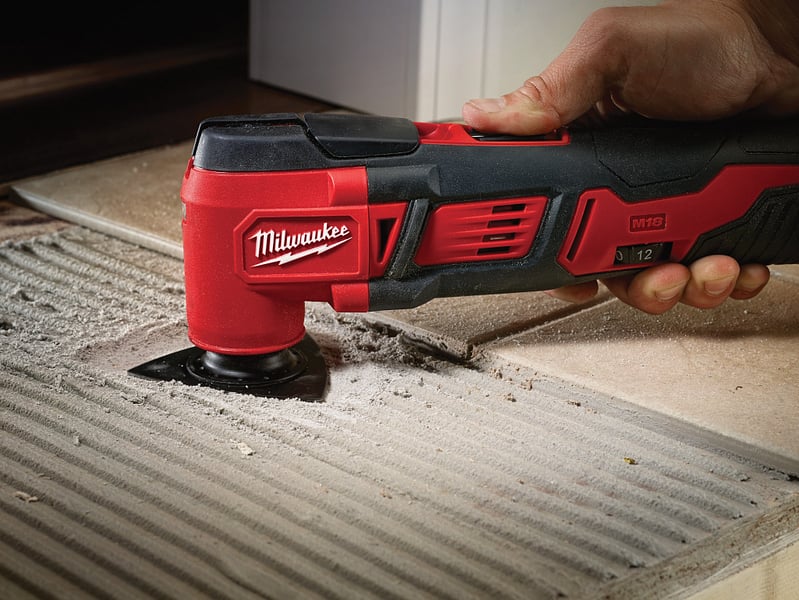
(78, 84)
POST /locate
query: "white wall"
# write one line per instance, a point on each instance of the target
(359, 53)
(419, 59)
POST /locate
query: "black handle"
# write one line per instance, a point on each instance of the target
(619, 199)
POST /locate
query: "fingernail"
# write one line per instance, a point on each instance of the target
(718, 286)
(746, 287)
(489, 105)
(669, 293)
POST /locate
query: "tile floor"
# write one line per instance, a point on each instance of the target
(730, 371)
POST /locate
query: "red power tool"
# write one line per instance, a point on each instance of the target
(372, 213)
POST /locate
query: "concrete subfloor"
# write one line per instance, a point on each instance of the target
(726, 378)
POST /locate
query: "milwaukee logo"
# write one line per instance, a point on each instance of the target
(647, 222)
(282, 247)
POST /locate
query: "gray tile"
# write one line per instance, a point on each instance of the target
(456, 326)
(731, 370)
(134, 197)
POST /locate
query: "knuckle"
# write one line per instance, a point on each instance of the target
(535, 88)
(604, 26)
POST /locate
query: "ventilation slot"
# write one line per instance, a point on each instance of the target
(385, 222)
(475, 231)
(505, 208)
(385, 228)
(493, 250)
(504, 223)
(578, 237)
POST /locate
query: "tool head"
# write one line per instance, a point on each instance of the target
(295, 372)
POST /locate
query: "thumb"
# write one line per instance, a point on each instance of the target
(578, 80)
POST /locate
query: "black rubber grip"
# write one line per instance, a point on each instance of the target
(768, 233)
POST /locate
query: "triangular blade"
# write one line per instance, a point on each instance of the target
(303, 375)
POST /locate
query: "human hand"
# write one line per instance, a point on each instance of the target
(682, 59)
(706, 283)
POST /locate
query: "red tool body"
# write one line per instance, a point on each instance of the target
(372, 213)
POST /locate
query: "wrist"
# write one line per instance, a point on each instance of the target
(776, 20)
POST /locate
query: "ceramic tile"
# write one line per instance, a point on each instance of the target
(135, 197)
(787, 272)
(774, 575)
(731, 370)
(456, 326)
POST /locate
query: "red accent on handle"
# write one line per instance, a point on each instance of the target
(479, 231)
(455, 134)
(603, 221)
